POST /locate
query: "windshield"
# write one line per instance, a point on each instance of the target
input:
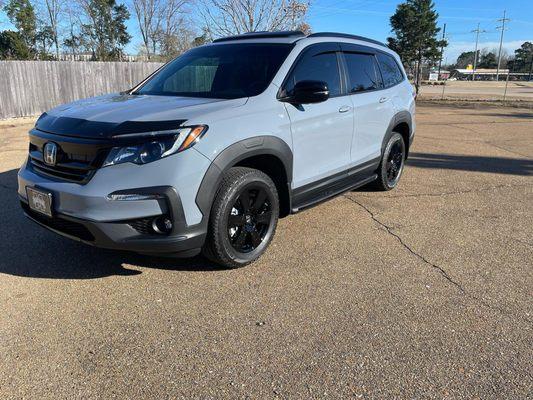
(226, 71)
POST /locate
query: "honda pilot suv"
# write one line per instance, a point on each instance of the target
(209, 151)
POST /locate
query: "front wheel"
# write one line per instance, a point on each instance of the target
(392, 163)
(243, 218)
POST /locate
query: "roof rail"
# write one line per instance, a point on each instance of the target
(346, 35)
(261, 35)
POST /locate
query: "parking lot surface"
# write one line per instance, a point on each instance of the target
(422, 292)
(484, 90)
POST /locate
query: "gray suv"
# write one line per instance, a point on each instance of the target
(209, 151)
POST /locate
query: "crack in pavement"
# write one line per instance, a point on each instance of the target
(441, 270)
(507, 150)
(436, 267)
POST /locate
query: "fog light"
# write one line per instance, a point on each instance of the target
(162, 225)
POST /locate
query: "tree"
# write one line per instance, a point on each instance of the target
(523, 58)
(487, 60)
(13, 46)
(148, 14)
(22, 14)
(465, 59)
(202, 39)
(233, 17)
(54, 8)
(44, 39)
(414, 25)
(73, 40)
(105, 33)
(175, 35)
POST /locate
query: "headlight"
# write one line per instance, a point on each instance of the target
(156, 146)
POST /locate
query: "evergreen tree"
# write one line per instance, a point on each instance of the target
(414, 25)
(465, 58)
(523, 58)
(22, 14)
(487, 60)
(13, 47)
(105, 33)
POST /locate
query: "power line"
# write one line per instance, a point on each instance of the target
(503, 21)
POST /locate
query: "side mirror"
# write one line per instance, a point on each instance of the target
(307, 92)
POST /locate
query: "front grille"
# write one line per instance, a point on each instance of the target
(77, 158)
(78, 175)
(59, 224)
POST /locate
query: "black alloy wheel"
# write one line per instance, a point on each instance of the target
(249, 219)
(243, 218)
(392, 163)
(395, 160)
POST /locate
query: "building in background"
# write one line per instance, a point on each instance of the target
(485, 74)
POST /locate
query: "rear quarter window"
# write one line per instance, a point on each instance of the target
(390, 70)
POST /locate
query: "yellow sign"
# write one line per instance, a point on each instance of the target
(469, 67)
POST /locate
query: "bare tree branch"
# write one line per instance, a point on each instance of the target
(233, 17)
(148, 13)
(54, 9)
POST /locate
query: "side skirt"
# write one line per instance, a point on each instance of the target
(314, 193)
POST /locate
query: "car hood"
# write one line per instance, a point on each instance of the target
(118, 114)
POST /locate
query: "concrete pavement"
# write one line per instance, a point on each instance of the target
(422, 292)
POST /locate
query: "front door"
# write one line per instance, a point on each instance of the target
(321, 133)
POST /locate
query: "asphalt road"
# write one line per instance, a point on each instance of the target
(479, 90)
(423, 292)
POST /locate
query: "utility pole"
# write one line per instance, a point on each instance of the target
(530, 66)
(441, 50)
(477, 31)
(503, 21)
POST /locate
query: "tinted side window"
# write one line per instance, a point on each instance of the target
(392, 74)
(363, 72)
(317, 66)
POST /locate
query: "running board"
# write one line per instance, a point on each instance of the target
(332, 191)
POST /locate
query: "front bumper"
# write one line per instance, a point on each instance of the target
(121, 235)
(84, 212)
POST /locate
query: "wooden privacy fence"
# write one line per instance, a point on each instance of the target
(31, 87)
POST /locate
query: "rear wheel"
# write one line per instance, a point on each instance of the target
(392, 163)
(243, 218)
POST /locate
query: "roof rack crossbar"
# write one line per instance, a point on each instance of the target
(347, 36)
(261, 35)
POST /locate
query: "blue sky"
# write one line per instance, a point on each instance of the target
(371, 18)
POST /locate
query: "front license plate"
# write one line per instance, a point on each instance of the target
(40, 201)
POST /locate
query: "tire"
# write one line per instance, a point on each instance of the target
(392, 163)
(243, 219)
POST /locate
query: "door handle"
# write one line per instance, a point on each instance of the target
(383, 99)
(344, 109)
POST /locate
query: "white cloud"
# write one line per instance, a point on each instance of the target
(454, 49)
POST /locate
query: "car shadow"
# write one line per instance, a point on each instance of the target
(29, 250)
(517, 115)
(495, 165)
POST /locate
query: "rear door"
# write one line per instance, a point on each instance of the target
(373, 108)
(321, 133)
